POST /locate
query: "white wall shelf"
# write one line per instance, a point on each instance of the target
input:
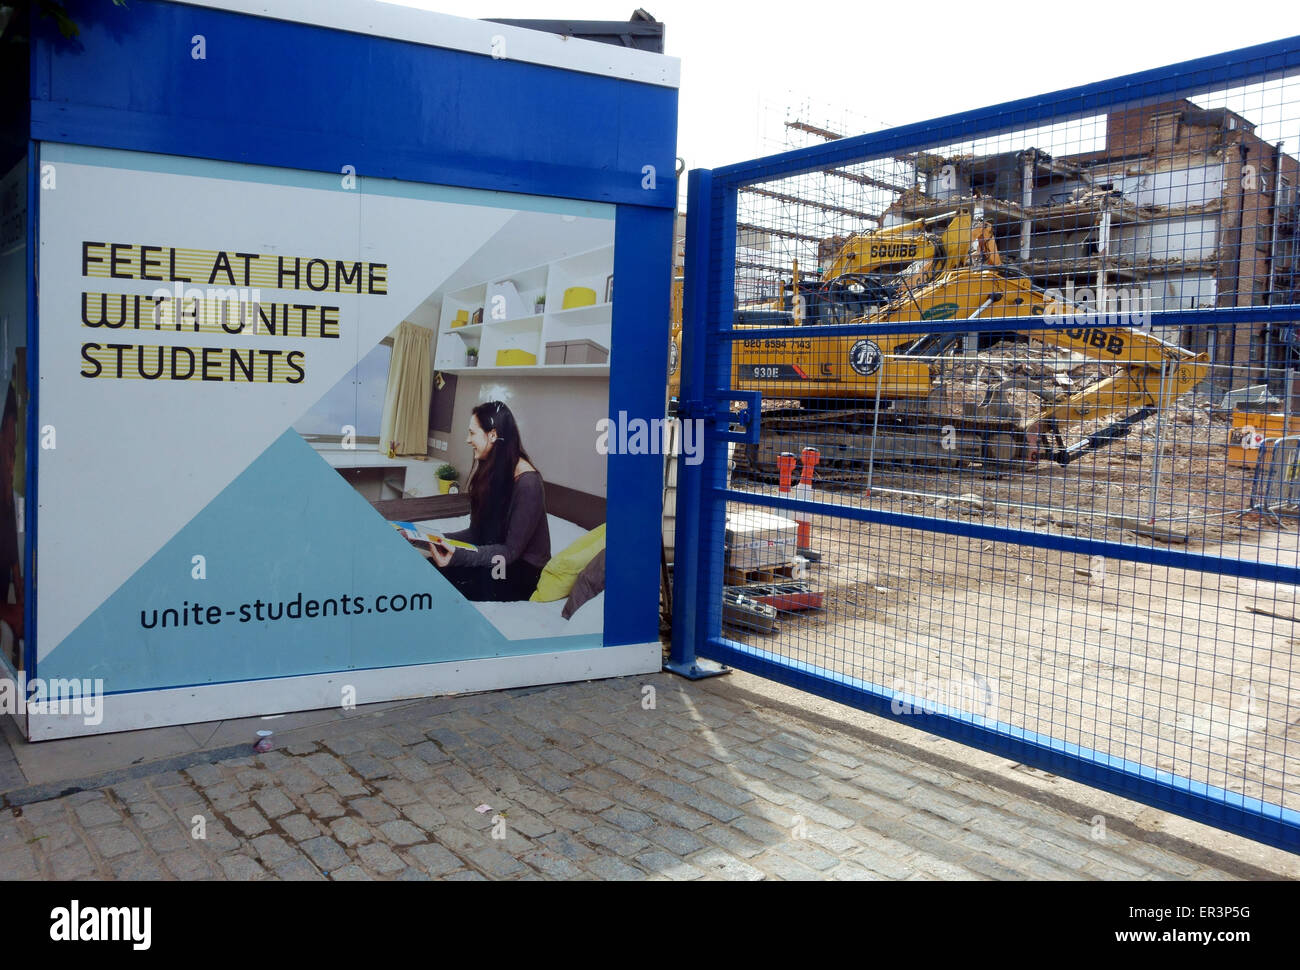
(522, 328)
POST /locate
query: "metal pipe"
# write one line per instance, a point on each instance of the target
(1160, 414)
(875, 424)
(1277, 200)
(1027, 200)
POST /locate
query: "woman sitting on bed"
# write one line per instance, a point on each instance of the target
(507, 517)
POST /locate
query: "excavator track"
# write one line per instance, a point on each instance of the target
(852, 442)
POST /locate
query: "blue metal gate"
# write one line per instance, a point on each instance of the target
(988, 405)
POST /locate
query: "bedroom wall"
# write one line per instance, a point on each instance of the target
(557, 421)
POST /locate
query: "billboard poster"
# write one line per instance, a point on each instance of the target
(296, 423)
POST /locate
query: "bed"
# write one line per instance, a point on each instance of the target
(569, 514)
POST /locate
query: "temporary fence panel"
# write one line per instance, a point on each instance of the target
(1005, 391)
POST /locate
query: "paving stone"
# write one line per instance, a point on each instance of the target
(412, 769)
(51, 836)
(273, 802)
(727, 793)
(350, 831)
(666, 864)
(852, 872)
(239, 867)
(71, 862)
(249, 821)
(528, 824)
(226, 796)
(346, 785)
(219, 838)
(397, 792)
(782, 867)
(401, 832)
(182, 796)
(411, 874)
(301, 748)
(150, 815)
(95, 813)
(539, 802)
(430, 753)
(674, 839)
(169, 838)
(297, 869)
(379, 858)
(272, 849)
(617, 840)
(344, 744)
(494, 862)
(733, 841)
(299, 827)
(368, 766)
(300, 780)
(723, 865)
(465, 875)
(565, 845)
(627, 819)
(385, 748)
(188, 865)
(325, 852)
(351, 873)
(251, 779)
(613, 870)
(114, 840)
(323, 804)
(424, 815)
(205, 775)
(552, 865)
(137, 867)
(373, 809)
(325, 765)
(18, 863)
(434, 859)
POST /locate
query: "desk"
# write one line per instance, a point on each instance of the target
(378, 477)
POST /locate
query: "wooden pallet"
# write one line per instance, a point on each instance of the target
(769, 574)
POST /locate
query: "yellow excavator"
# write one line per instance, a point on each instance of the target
(884, 398)
(872, 268)
(866, 271)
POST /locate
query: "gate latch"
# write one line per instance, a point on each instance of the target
(718, 408)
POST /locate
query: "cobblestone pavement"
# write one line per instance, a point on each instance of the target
(581, 781)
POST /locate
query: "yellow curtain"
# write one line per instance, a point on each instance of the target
(405, 422)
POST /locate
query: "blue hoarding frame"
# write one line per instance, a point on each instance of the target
(303, 97)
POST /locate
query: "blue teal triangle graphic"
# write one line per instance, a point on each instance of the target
(288, 537)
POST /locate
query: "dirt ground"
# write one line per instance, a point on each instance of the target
(1192, 673)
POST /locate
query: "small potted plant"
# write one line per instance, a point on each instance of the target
(471, 356)
(447, 476)
(539, 306)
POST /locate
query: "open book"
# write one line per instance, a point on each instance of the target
(418, 537)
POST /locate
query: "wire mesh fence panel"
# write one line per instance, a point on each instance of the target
(1017, 458)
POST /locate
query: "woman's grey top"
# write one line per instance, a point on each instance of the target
(527, 535)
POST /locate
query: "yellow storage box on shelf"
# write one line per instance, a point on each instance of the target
(515, 358)
(576, 296)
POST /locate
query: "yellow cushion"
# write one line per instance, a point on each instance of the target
(563, 570)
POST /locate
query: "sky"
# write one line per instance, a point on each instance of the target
(878, 64)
